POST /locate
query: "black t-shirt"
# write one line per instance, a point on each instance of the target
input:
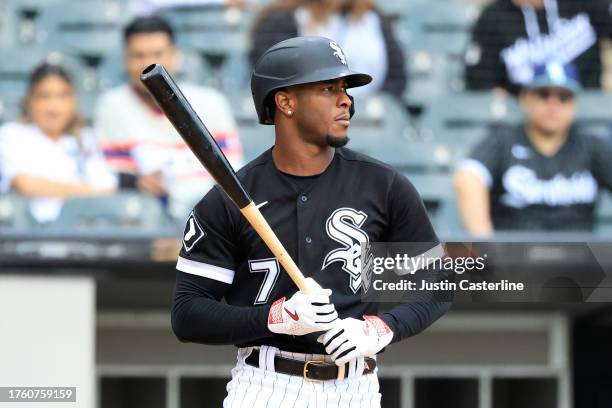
(321, 224)
(530, 191)
(507, 41)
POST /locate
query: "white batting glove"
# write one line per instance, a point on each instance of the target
(303, 313)
(351, 338)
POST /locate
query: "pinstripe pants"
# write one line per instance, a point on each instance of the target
(262, 387)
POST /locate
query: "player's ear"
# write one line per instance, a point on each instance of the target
(284, 103)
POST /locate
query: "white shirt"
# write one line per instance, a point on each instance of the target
(24, 149)
(140, 140)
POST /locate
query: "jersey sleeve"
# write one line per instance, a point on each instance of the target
(410, 223)
(205, 272)
(408, 219)
(484, 159)
(208, 240)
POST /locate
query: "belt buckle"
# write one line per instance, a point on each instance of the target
(314, 363)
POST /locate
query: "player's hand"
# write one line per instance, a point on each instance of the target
(351, 338)
(303, 313)
(152, 183)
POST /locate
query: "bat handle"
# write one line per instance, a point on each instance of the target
(261, 226)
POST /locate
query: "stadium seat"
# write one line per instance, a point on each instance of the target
(439, 26)
(460, 120)
(89, 29)
(235, 74)
(594, 115)
(255, 140)
(8, 26)
(604, 215)
(123, 211)
(15, 213)
(438, 195)
(192, 68)
(435, 34)
(430, 76)
(20, 17)
(210, 30)
(394, 8)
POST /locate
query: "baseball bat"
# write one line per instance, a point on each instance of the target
(191, 128)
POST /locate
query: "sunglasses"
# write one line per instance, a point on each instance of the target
(562, 95)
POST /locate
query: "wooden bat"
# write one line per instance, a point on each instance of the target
(191, 128)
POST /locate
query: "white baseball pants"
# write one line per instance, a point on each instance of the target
(262, 387)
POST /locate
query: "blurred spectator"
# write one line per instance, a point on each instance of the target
(140, 142)
(541, 175)
(512, 36)
(148, 7)
(365, 35)
(50, 155)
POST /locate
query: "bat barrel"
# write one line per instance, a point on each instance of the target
(191, 128)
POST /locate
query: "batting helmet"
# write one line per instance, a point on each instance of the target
(299, 60)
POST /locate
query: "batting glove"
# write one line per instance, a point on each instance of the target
(303, 313)
(351, 338)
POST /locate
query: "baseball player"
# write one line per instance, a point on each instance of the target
(297, 349)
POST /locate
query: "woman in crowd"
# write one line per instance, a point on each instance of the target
(365, 35)
(49, 155)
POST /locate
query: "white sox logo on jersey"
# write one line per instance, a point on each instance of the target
(338, 51)
(344, 226)
(193, 233)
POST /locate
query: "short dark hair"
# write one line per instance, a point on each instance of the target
(148, 24)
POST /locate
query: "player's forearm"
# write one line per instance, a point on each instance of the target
(208, 321)
(474, 203)
(32, 186)
(409, 319)
(419, 309)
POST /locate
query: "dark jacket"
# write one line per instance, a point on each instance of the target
(280, 25)
(502, 23)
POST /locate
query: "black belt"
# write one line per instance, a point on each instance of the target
(310, 370)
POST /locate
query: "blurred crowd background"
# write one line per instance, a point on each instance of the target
(498, 111)
(80, 134)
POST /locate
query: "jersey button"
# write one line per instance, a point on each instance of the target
(308, 240)
(304, 198)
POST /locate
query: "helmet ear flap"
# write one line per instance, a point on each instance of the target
(352, 108)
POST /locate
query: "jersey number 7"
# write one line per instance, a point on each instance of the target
(271, 268)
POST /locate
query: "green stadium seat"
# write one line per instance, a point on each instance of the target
(604, 215)
(435, 34)
(20, 18)
(255, 140)
(594, 115)
(442, 27)
(89, 29)
(216, 31)
(437, 192)
(461, 120)
(122, 211)
(235, 74)
(15, 213)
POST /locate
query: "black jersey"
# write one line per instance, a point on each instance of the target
(535, 192)
(321, 222)
(508, 41)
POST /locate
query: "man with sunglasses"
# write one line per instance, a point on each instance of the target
(540, 175)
